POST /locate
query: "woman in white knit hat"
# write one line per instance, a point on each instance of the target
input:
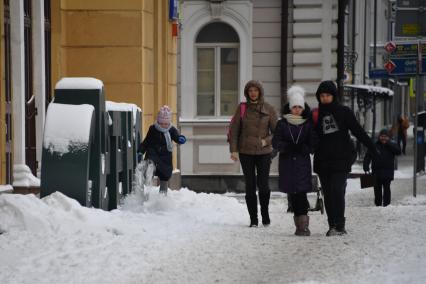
(295, 139)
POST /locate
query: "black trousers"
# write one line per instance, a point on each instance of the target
(403, 139)
(299, 202)
(334, 188)
(382, 197)
(256, 172)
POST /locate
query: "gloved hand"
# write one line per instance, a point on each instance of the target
(366, 170)
(181, 139)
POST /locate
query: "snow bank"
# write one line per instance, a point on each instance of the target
(54, 213)
(6, 188)
(58, 212)
(67, 126)
(22, 176)
(113, 106)
(199, 207)
(80, 83)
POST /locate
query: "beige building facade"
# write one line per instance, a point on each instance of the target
(126, 44)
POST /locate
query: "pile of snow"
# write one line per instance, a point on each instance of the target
(67, 127)
(6, 188)
(197, 207)
(79, 83)
(186, 237)
(54, 213)
(113, 106)
(61, 214)
(22, 176)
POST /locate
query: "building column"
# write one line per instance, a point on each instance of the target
(22, 175)
(327, 16)
(39, 73)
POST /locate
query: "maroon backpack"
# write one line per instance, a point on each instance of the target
(243, 107)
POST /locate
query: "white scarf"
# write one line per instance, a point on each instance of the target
(294, 119)
(166, 133)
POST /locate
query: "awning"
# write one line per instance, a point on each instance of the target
(375, 90)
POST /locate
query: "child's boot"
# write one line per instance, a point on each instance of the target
(163, 187)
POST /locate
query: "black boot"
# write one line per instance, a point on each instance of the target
(340, 227)
(163, 187)
(252, 210)
(265, 216)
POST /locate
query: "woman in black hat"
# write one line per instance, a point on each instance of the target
(336, 153)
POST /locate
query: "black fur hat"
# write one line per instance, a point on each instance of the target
(327, 87)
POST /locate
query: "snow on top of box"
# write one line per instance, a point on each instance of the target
(113, 106)
(79, 83)
(67, 125)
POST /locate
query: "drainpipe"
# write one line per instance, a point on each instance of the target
(364, 55)
(353, 51)
(373, 130)
(284, 48)
(341, 45)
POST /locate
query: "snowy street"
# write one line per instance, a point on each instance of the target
(200, 238)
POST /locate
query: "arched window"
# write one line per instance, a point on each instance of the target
(217, 47)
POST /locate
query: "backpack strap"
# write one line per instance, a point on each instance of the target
(243, 108)
(315, 116)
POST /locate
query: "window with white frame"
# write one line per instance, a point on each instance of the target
(217, 47)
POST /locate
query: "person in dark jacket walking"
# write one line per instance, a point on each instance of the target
(295, 138)
(336, 153)
(157, 146)
(382, 167)
(251, 142)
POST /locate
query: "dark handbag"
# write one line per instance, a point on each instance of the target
(367, 180)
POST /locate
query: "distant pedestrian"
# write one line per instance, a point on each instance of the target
(382, 167)
(295, 140)
(251, 142)
(336, 153)
(401, 132)
(158, 146)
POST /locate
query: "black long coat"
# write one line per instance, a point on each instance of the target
(383, 167)
(336, 151)
(295, 171)
(154, 146)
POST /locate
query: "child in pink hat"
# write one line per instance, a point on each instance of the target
(158, 147)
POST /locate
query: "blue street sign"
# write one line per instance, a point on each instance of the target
(173, 9)
(407, 66)
(378, 74)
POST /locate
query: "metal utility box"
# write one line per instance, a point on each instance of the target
(78, 91)
(67, 147)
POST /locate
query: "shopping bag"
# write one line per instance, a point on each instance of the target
(367, 180)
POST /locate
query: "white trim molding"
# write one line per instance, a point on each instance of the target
(197, 14)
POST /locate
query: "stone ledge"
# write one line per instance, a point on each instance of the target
(26, 190)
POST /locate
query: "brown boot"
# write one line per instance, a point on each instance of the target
(302, 225)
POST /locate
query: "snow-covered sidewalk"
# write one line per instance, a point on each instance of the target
(204, 238)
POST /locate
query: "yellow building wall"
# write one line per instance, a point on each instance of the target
(2, 103)
(127, 44)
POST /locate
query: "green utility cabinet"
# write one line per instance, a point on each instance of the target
(78, 91)
(67, 146)
(115, 192)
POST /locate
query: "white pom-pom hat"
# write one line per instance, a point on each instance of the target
(296, 96)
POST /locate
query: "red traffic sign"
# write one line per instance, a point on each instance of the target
(390, 47)
(390, 66)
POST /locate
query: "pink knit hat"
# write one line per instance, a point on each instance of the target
(164, 115)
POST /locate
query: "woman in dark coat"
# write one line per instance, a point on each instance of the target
(157, 146)
(294, 138)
